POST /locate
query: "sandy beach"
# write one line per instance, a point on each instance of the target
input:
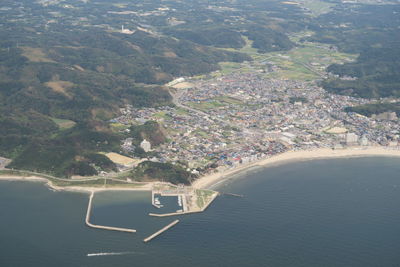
(323, 153)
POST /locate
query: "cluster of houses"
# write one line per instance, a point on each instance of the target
(242, 117)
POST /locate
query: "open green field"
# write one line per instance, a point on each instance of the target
(181, 111)
(162, 115)
(206, 105)
(201, 133)
(229, 100)
(203, 197)
(118, 127)
(229, 67)
(316, 7)
(306, 62)
(215, 103)
(247, 48)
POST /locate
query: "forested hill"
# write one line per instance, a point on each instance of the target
(373, 32)
(86, 80)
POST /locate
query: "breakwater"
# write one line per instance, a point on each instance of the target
(87, 220)
(159, 232)
(231, 194)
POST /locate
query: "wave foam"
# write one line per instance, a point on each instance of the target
(110, 253)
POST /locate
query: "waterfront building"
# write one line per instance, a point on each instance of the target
(351, 138)
(364, 141)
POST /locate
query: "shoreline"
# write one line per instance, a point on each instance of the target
(209, 180)
(79, 189)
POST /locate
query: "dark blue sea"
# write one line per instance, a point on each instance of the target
(341, 212)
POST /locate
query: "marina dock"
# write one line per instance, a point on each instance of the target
(153, 200)
(147, 239)
(185, 212)
(87, 220)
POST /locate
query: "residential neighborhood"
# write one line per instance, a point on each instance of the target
(241, 117)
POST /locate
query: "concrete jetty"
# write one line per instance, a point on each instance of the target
(232, 194)
(147, 239)
(87, 220)
(172, 213)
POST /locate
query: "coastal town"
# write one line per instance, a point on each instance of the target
(223, 122)
(222, 125)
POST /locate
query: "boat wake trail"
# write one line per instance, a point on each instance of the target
(111, 253)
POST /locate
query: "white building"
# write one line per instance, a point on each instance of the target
(145, 145)
(351, 138)
(364, 141)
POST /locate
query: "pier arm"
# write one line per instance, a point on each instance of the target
(87, 220)
(147, 239)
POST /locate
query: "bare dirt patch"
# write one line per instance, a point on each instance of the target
(170, 54)
(290, 3)
(183, 85)
(60, 87)
(35, 54)
(120, 159)
(161, 76)
(79, 68)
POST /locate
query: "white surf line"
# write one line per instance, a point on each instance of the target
(219, 182)
(111, 253)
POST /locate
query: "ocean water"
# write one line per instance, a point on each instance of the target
(341, 212)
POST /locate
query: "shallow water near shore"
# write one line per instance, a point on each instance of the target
(336, 212)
